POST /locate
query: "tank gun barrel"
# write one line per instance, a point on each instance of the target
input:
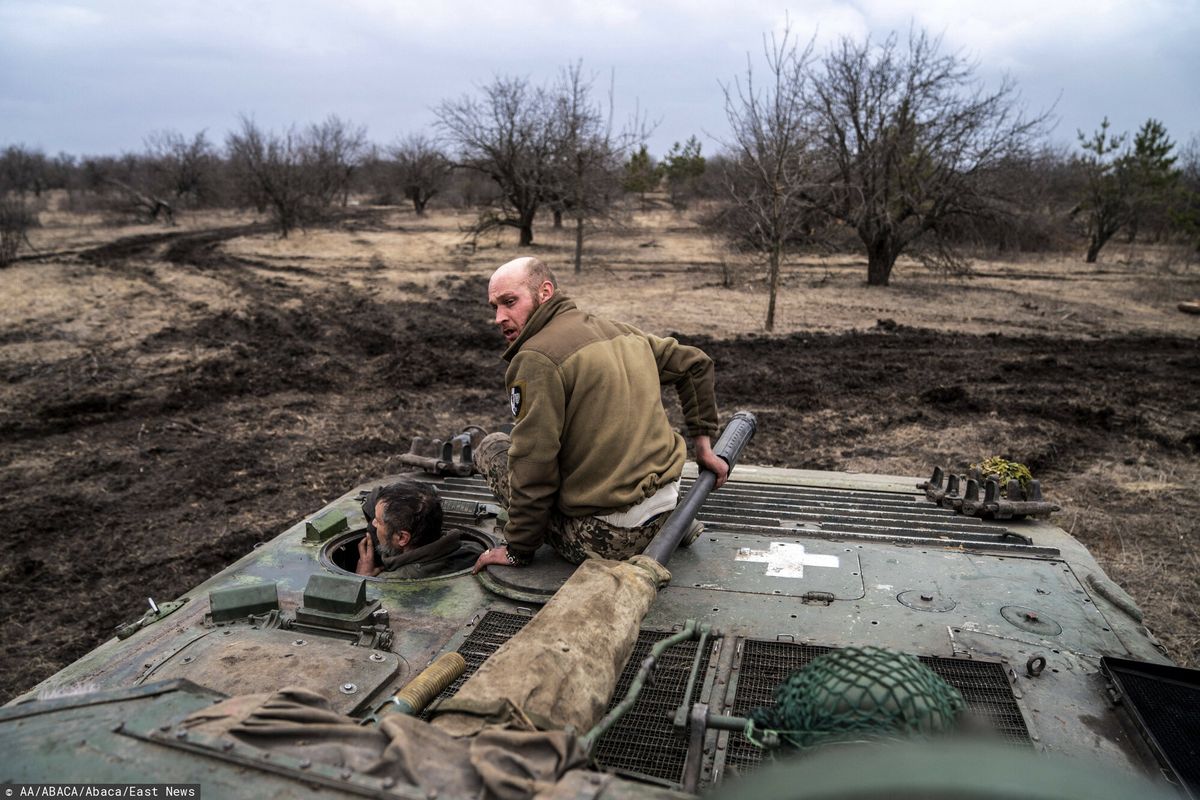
(737, 434)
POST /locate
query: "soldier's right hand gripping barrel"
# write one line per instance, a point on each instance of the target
(737, 434)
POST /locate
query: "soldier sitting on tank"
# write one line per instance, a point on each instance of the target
(592, 466)
(405, 537)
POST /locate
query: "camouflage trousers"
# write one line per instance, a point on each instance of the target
(575, 538)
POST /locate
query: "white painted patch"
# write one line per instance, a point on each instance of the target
(884, 587)
(787, 559)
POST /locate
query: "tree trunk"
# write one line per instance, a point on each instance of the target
(880, 260)
(1098, 240)
(578, 244)
(419, 204)
(773, 284)
(526, 234)
(558, 219)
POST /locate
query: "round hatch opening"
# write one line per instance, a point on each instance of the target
(340, 554)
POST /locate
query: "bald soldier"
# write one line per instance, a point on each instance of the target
(592, 465)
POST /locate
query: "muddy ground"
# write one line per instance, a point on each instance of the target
(140, 465)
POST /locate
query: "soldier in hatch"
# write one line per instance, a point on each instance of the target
(405, 537)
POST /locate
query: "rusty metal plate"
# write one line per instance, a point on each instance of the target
(247, 661)
(757, 564)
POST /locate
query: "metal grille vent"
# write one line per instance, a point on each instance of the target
(807, 511)
(1165, 703)
(645, 742)
(765, 665)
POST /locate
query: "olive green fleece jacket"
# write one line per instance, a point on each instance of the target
(591, 435)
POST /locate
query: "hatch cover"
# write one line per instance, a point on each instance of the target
(757, 564)
(762, 665)
(645, 741)
(248, 661)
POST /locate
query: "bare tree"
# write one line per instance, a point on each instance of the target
(908, 138)
(295, 174)
(16, 218)
(185, 169)
(270, 171)
(1185, 216)
(769, 167)
(421, 169)
(332, 150)
(506, 131)
(23, 170)
(587, 161)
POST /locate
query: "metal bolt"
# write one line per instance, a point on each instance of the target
(1031, 616)
(346, 774)
(227, 746)
(188, 659)
(164, 728)
(299, 643)
(180, 734)
(927, 598)
(376, 657)
(305, 764)
(349, 688)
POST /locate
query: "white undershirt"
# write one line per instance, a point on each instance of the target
(665, 499)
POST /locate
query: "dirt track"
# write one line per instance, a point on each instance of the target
(139, 468)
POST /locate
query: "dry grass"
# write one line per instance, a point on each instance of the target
(662, 271)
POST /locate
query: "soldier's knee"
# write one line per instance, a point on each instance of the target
(493, 448)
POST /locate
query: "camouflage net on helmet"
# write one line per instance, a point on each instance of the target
(857, 693)
(1005, 470)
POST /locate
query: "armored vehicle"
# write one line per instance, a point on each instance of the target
(1050, 656)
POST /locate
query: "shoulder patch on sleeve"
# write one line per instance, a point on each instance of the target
(516, 398)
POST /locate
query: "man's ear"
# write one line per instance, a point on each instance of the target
(545, 291)
(403, 538)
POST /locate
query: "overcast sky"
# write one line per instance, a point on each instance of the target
(95, 77)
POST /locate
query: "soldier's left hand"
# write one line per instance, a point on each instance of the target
(497, 555)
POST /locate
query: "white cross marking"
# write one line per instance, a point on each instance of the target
(786, 559)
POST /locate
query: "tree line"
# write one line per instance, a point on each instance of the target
(888, 146)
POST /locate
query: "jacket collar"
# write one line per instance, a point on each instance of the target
(538, 320)
(438, 548)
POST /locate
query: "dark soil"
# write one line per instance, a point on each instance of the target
(150, 482)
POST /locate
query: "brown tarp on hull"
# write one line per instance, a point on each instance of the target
(559, 671)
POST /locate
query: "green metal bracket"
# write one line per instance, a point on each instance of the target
(152, 615)
(335, 605)
(325, 526)
(236, 602)
(335, 594)
(471, 508)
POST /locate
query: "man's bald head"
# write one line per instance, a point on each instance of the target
(515, 292)
(527, 270)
